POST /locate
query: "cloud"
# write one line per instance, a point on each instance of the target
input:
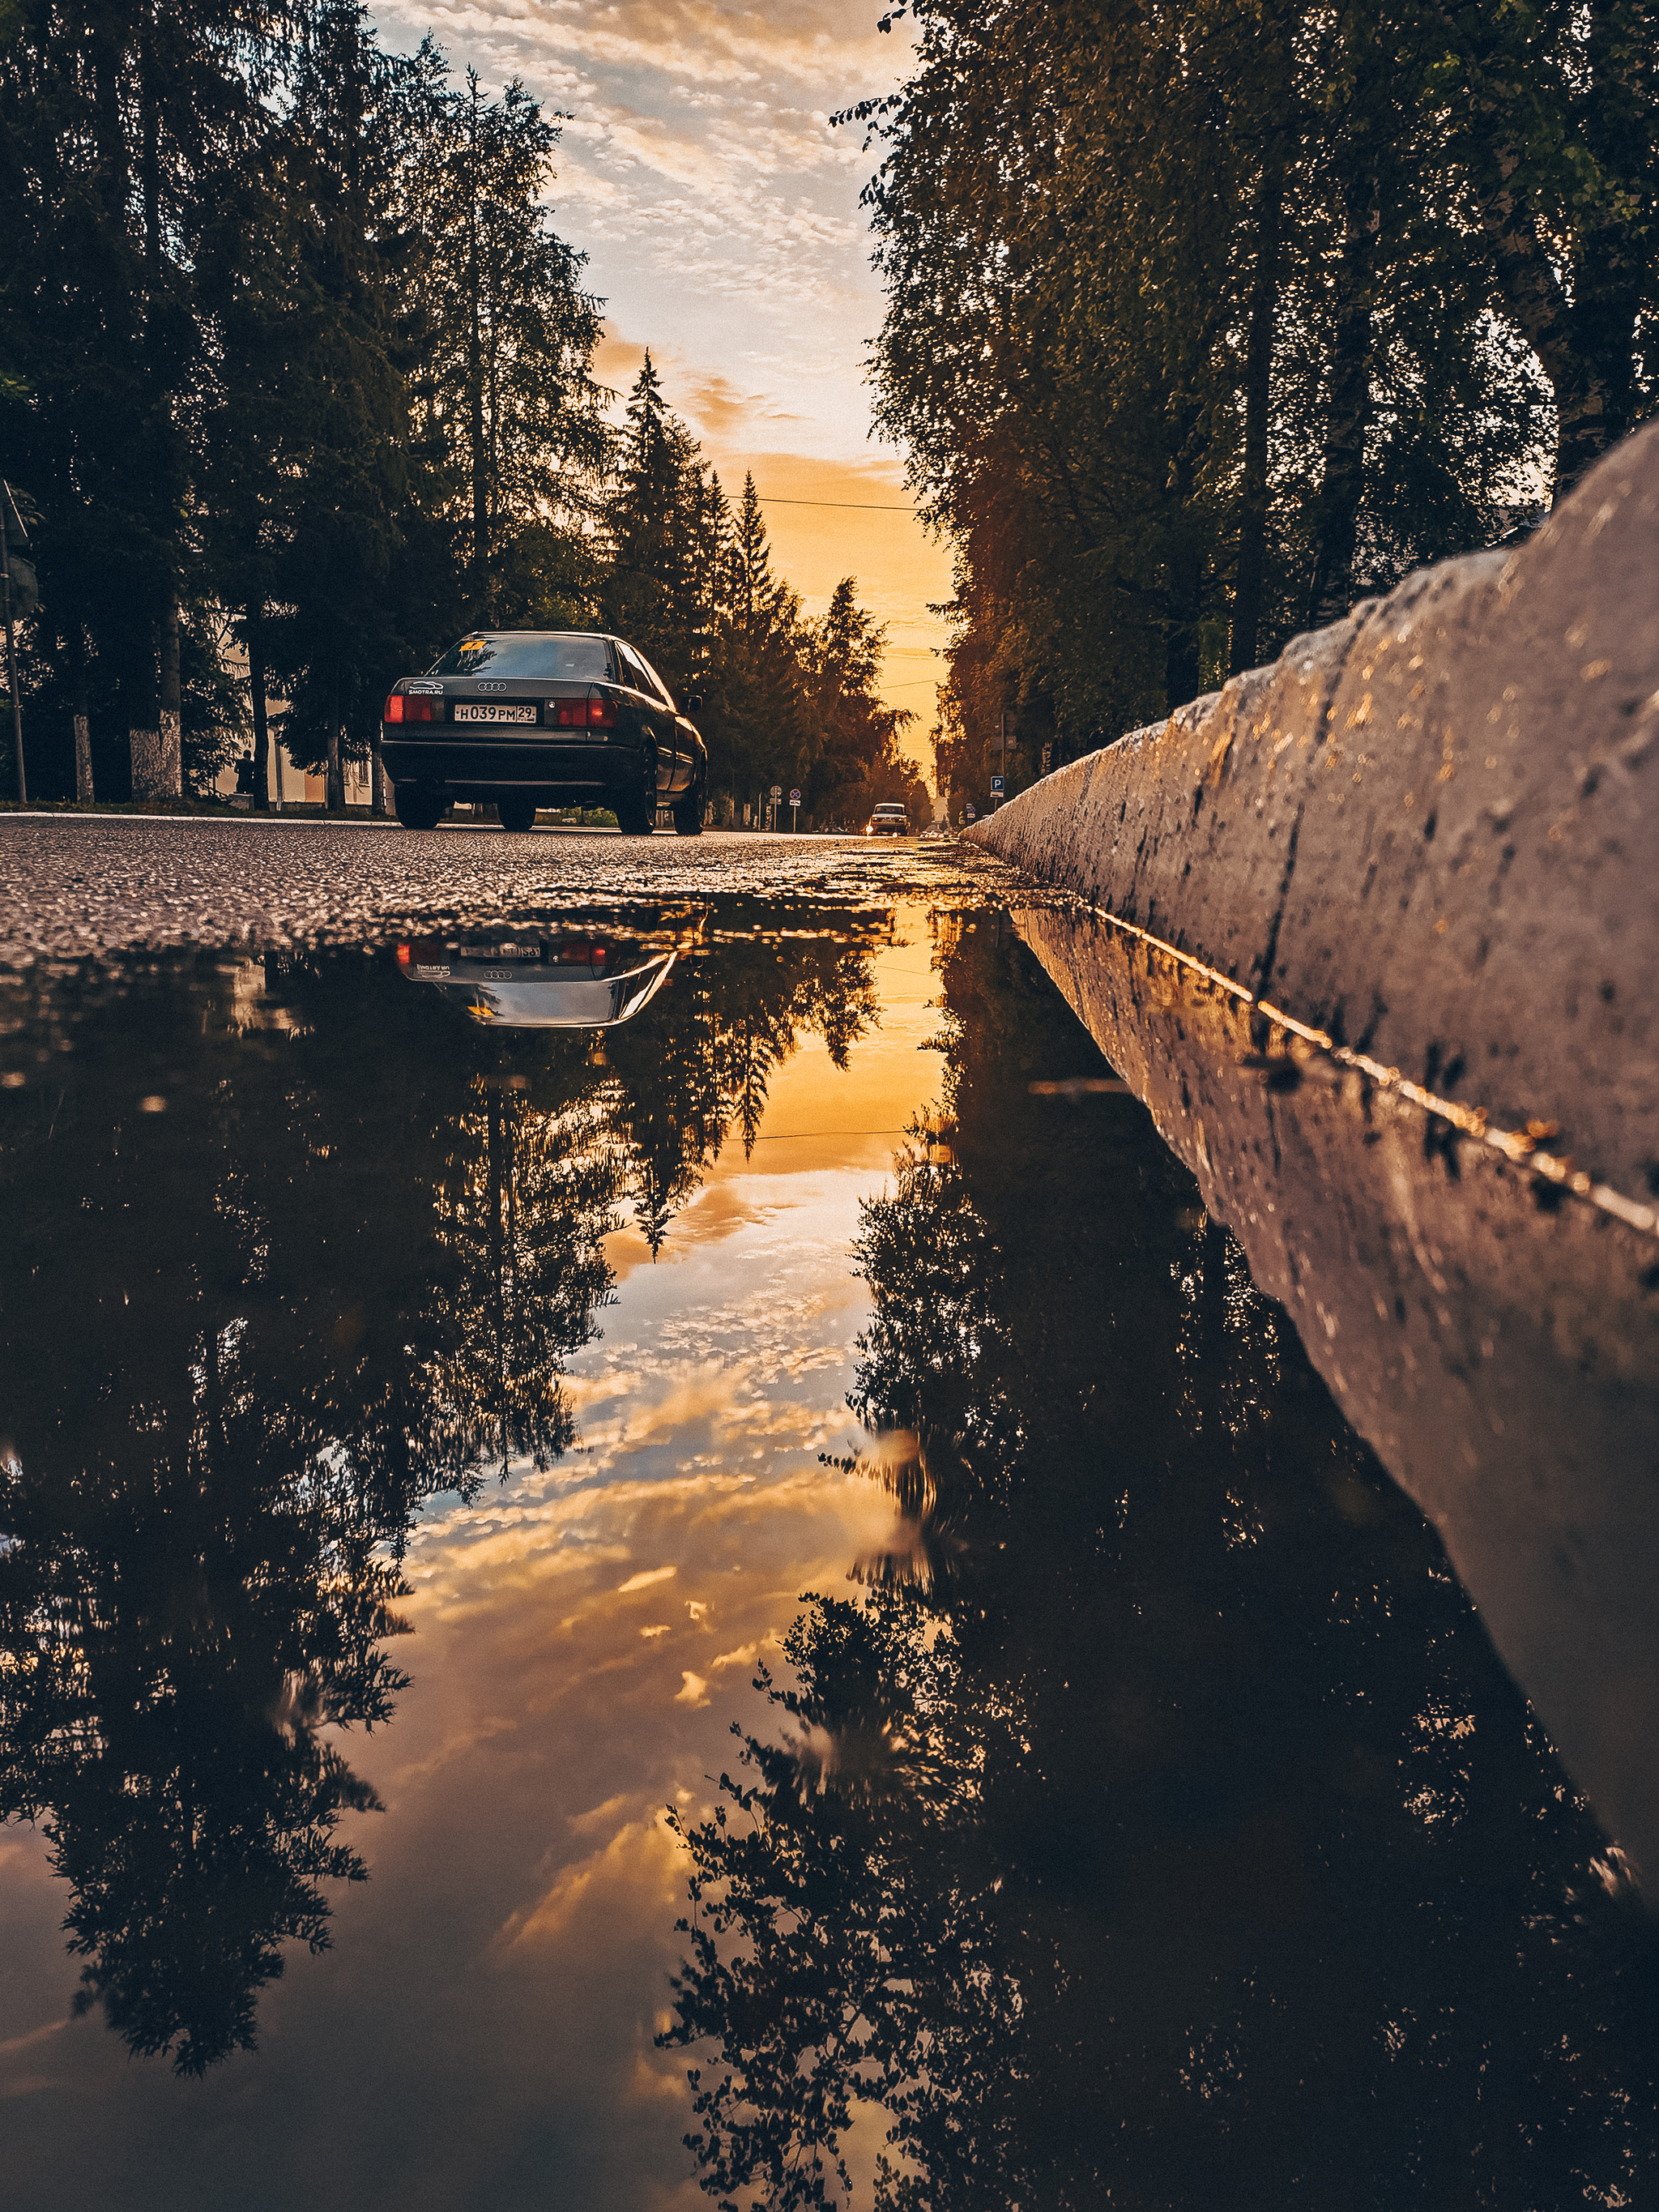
(693, 1690)
(689, 41)
(720, 408)
(644, 1580)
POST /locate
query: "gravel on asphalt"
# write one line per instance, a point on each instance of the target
(78, 887)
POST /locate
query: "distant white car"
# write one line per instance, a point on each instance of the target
(889, 820)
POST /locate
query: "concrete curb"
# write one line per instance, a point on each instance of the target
(1427, 832)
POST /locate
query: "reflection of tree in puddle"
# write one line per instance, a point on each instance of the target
(288, 1254)
(701, 1066)
(1182, 1843)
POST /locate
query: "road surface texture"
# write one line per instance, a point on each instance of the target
(75, 887)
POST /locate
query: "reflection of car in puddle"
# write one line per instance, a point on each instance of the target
(586, 981)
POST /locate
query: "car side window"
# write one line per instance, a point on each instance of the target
(633, 671)
(653, 682)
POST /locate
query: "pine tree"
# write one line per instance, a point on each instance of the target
(505, 335)
(761, 731)
(342, 447)
(857, 761)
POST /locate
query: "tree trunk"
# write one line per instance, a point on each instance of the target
(79, 719)
(169, 722)
(1349, 412)
(149, 174)
(379, 803)
(1585, 345)
(111, 140)
(475, 394)
(1182, 675)
(1535, 297)
(1258, 395)
(256, 684)
(333, 770)
(1608, 281)
(143, 740)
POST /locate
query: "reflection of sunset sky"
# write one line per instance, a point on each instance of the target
(583, 1638)
(720, 215)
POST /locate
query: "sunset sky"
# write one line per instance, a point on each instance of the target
(720, 215)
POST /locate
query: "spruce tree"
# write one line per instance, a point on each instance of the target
(504, 338)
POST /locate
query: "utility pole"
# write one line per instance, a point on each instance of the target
(7, 508)
(1000, 780)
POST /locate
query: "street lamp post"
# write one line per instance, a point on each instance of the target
(11, 641)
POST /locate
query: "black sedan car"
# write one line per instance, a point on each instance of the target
(529, 718)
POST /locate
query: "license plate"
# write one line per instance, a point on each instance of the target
(522, 711)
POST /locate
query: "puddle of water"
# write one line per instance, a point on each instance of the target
(1487, 1319)
(404, 1408)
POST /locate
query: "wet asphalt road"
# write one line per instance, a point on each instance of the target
(74, 887)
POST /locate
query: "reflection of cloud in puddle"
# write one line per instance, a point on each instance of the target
(585, 1639)
(636, 1875)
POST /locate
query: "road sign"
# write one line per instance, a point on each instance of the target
(996, 783)
(794, 799)
(777, 791)
(967, 811)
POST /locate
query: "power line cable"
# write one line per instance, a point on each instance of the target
(848, 506)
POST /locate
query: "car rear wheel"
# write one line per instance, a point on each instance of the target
(517, 813)
(636, 810)
(689, 811)
(418, 809)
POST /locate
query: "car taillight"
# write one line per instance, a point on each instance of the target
(393, 709)
(403, 950)
(401, 707)
(596, 712)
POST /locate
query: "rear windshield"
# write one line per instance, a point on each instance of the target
(526, 653)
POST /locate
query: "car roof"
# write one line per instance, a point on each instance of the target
(604, 635)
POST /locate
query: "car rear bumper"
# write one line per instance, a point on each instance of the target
(467, 769)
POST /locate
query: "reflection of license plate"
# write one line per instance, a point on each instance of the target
(524, 713)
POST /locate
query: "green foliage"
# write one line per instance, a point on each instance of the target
(1195, 306)
(287, 338)
(501, 331)
(786, 701)
(288, 343)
